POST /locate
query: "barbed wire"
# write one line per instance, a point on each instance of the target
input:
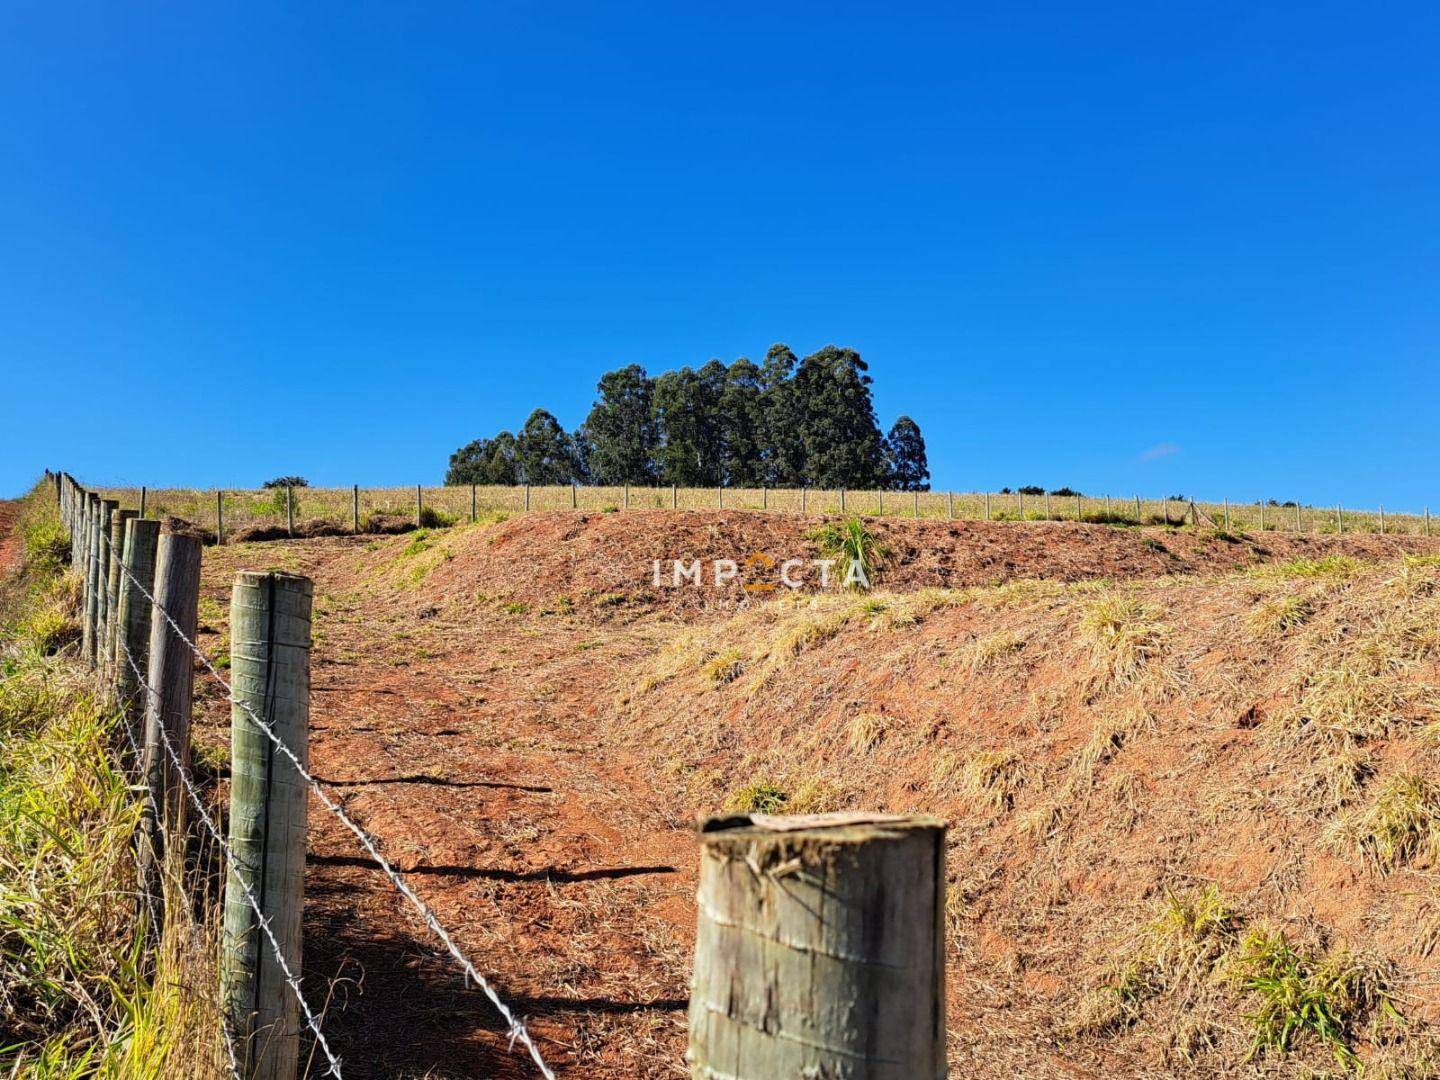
(515, 1027)
(293, 980)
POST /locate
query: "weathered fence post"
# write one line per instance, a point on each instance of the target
(527, 496)
(987, 506)
(674, 496)
(112, 590)
(949, 506)
(1165, 508)
(842, 500)
(1261, 503)
(474, 516)
(1298, 526)
(270, 632)
(880, 502)
(1339, 520)
(1139, 515)
(1079, 507)
(1227, 515)
(142, 500)
(719, 496)
(764, 498)
(1047, 506)
(219, 517)
(355, 508)
(289, 511)
(917, 504)
(99, 577)
(626, 498)
(574, 495)
(419, 506)
(804, 498)
(132, 618)
(1382, 519)
(820, 948)
(1427, 521)
(1020, 505)
(171, 677)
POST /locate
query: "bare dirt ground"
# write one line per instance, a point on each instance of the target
(461, 712)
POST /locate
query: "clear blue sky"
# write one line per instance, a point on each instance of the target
(1158, 248)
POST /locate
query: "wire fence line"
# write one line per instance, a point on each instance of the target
(515, 1027)
(241, 514)
(311, 1020)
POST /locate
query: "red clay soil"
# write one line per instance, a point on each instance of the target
(465, 732)
(9, 538)
(608, 560)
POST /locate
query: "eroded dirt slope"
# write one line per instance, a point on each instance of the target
(531, 749)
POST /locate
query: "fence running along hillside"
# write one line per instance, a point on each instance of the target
(873, 967)
(233, 513)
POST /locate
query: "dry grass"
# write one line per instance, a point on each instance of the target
(1124, 633)
(1399, 825)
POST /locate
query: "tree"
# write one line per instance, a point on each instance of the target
(286, 481)
(687, 417)
(782, 434)
(905, 463)
(485, 461)
(742, 422)
(843, 445)
(622, 431)
(546, 455)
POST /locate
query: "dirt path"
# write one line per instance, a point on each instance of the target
(463, 743)
(10, 543)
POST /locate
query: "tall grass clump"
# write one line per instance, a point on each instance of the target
(859, 553)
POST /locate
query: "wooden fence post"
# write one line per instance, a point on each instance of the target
(270, 631)
(171, 677)
(880, 502)
(289, 511)
(842, 500)
(219, 517)
(1382, 519)
(1298, 526)
(720, 497)
(1427, 521)
(527, 497)
(1339, 520)
(804, 498)
(1261, 503)
(574, 495)
(142, 501)
(781, 990)
(355, 508)
(917, 503)
(132, 619)
(987, 506)
(626, 498)
(1139, 514)
(764, 498)
(99, 580)
(474, 516)
(1227, 515)
(949, 506)
(419, 506)
(1079, 508)
(1047, 506)
(116, 548)
(674, 496)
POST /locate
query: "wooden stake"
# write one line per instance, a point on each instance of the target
(99, 581)
(987, 506)
(842, 500)
(116, 548)
(527, 497)
(142, 501)
(574, 495)
(419, 506)
(949, 506)
(1382, 520)
(89, 571)
(917, 504)
(355, 508)
(289, 511)
(219, 518)
(820, 948)
(270, 632)
(171, 677)
(132, 619)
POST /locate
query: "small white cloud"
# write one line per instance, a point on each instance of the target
(1159, 450)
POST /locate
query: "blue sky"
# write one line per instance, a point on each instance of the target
(1159, 248)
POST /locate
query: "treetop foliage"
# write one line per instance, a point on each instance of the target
(784, 423)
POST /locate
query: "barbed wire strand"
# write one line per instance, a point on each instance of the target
(516, 1028)
(289, 976)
